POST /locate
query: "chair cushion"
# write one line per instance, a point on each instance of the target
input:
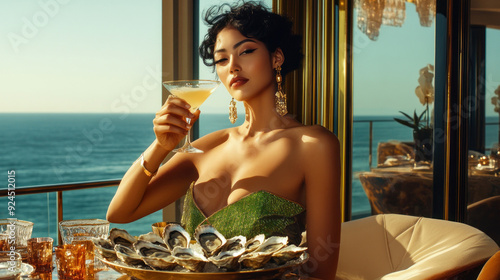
(392, 246)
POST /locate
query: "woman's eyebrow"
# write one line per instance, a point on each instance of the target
(235, 45)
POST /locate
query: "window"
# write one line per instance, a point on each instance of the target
(82, 81)
(392, 45)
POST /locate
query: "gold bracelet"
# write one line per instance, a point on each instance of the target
(146, 171)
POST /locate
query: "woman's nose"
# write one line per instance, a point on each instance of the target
(234, 65)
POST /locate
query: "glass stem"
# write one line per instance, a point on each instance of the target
(187, 143)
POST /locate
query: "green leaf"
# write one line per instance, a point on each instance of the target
(421, 115)
(406, 115)
(406, 123)
(414, 122)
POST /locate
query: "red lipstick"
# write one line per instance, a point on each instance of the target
(237, 82)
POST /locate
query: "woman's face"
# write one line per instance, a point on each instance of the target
(244, 65)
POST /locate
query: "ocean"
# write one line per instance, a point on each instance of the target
(49, 149)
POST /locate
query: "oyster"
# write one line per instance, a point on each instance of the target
(272, 244)
(228, 259)
(104, 247)
(234, 243)
(153, 238)
(287, 253)
(160, 261)
(146, 248)
(175, 235)
(209, 238)
(122, 237)
(255, 242)
(128, 255)
(230, 253)
(254, 260)
(260, 256)
(189, 259)
(195, 246)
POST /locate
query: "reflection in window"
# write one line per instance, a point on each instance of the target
(393, 58)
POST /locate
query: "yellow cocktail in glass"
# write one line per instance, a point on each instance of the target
(194, 92)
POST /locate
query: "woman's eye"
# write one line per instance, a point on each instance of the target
(220, 60)
(248, 51)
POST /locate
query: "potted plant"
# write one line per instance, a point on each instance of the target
(422, 130)
(422, 134)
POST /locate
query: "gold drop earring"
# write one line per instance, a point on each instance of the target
(280, 98)
(233, 114)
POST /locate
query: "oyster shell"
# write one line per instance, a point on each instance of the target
(254, 260)
(287, 253)
(234, 243)
(254, 243)
(260, 256)
(272, 244)
(174, 235)
(122, 237)
(128, 255)
(160, 261)
(146, 248)
(230, 253)
(195, 246)
(105, 248)
(228, 259)
(189, 259)
(153, 238)
(209, 238)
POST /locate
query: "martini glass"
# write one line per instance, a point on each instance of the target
(194, 92)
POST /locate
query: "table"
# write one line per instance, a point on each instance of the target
(405, 190)
(107, 274)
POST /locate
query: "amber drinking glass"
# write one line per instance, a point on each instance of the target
(4, 242)
(81, 231)
(70, 260)
(21, 230)
(40, 253)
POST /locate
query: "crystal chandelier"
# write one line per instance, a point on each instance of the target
(373, 13)
(370, 14)
(426, 10)
(394, 13)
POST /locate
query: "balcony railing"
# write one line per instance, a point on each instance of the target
(59, 189)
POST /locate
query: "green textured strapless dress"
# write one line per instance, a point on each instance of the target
(256, 213)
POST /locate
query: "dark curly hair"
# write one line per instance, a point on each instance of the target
(253, 20)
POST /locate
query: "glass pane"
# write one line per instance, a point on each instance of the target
(484, 183)
(83, 81)
(393, 58)
(215, 110)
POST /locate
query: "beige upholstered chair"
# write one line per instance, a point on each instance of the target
(392, 246)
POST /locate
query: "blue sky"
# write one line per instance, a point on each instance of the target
(102, 56)
(79, 56)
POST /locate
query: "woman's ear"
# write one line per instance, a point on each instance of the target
(278, 58)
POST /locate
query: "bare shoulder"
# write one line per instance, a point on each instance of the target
(317, 139)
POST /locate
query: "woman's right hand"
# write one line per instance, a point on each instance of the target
(170, 124)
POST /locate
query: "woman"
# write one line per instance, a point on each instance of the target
(271, 162)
